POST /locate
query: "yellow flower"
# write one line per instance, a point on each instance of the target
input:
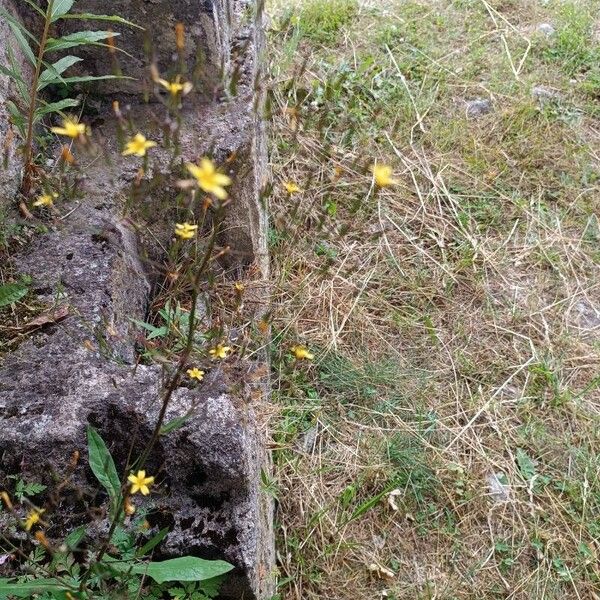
(177, 86)
(220, 351)
(383, 175)
(301, 353)
(46, 200)
(71, 128)
(291, 187)
(185, 231)
(138, 145)
(33, 517)
(209, 179)
(140, 483)
(195, 373)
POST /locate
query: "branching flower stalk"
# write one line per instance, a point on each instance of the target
(170, 388)
(103, 573)
(181, 365)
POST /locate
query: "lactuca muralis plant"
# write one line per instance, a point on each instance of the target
(117, 567)
(42, 52)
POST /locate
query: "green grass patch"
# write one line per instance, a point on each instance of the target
(321, 21)
(574, 48)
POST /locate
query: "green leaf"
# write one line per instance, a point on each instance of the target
(60, 8)
(10, 73)
(211, 587)
(20, 81)
(53, 107)
(19, 32)
(25, 590)
(585, 551)
(367, 505)
(186, 568)
(84, 78)
(28, 489)
(103, 465)
(92, 17)
(80, 38)
(153, 542)
(11, 293)
(36, 8)
(53, 73)
(17, 119)
(154, 331)
(174, 424)
(526, 465)
(74, 538)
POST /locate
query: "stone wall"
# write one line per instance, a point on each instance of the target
(10, 167)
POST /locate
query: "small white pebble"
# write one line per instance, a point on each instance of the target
(546, 29)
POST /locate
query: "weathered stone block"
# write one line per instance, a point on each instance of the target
(82, 372)
(209, 27)
(207, 471)
(10, 163)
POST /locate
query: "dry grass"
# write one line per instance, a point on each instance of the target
(455, 316)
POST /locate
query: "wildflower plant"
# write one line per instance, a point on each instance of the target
(117, 563)
(49, 68)
(114, 567)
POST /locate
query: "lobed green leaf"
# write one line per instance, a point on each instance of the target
(11, 293)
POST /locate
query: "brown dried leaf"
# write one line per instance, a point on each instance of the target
(46, 318)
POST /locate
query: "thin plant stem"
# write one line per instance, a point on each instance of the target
(186, 353)
(28, 168)
(166, 398)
